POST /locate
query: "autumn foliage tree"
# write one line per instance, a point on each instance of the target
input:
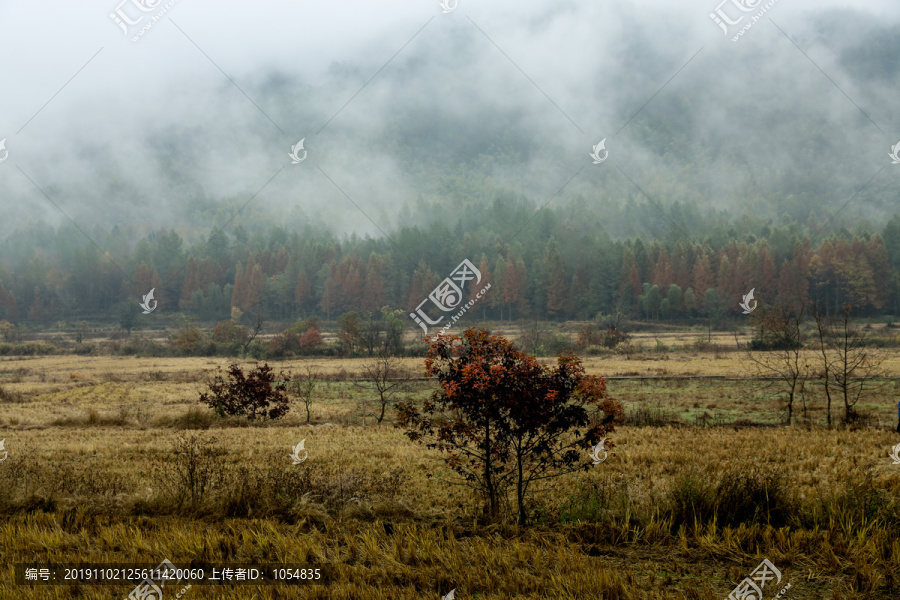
(8, 331)
(252, 395)
(189, 339)
(248, 287)
(504, 420)
(230, 333)
(198, 277)
(39, 310)
(348, 332)
(8, 307)
(556, 286)
(310, 340)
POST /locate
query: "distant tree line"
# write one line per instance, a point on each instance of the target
(549, 272)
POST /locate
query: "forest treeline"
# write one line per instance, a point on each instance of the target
(553, 270)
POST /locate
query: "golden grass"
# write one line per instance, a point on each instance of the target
(143, 392)
(81, 492)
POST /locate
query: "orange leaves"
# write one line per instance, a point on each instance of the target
(504, 419)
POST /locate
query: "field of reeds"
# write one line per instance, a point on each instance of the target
(113, 460)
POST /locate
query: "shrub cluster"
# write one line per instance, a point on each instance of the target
(27, 349)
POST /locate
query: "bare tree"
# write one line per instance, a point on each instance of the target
(823, 331)
(371, 328)
(778, 351)
(533, 336)
(386, 375)
(304, 385)
(848, 361)
(252, 336)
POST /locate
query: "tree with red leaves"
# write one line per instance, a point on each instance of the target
(249, 395)
(504, 419)
(310, 340)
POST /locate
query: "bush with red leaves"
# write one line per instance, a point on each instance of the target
(252, 395)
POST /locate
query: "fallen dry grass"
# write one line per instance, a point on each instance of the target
(674, 513)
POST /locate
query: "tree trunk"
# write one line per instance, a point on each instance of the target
(842, 390)
(790, 404)
(488, 479)
(845, 371)
(826, 366)
(520, 492)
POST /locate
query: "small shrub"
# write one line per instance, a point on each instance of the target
(194, 418)
(231, 334)
(613, 337)
(557, 343)
(145, 348)
(283, 344)
(310, 340)
(629, 349)
(858, 503)
(704, 420)
(701, 345)
(690, 500)
(753, 496)
(648, 416)
(28, 349)
(760, 345)
(9, 397)
(257, 350)
(9, 332)
(586, 504)
(286, 493)
(249, 395)
(341, 375)
(750, 496)
(35, 503)
(588, 336)
(92, 419)
(83, 349)
(189, 340)
(880, 342)
(197, 467)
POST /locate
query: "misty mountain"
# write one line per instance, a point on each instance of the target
(454, 123)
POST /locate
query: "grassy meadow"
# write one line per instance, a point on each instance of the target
(112, 459)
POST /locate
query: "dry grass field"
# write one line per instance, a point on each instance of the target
(112, 459)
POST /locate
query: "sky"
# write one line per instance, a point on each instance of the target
(210, 100)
